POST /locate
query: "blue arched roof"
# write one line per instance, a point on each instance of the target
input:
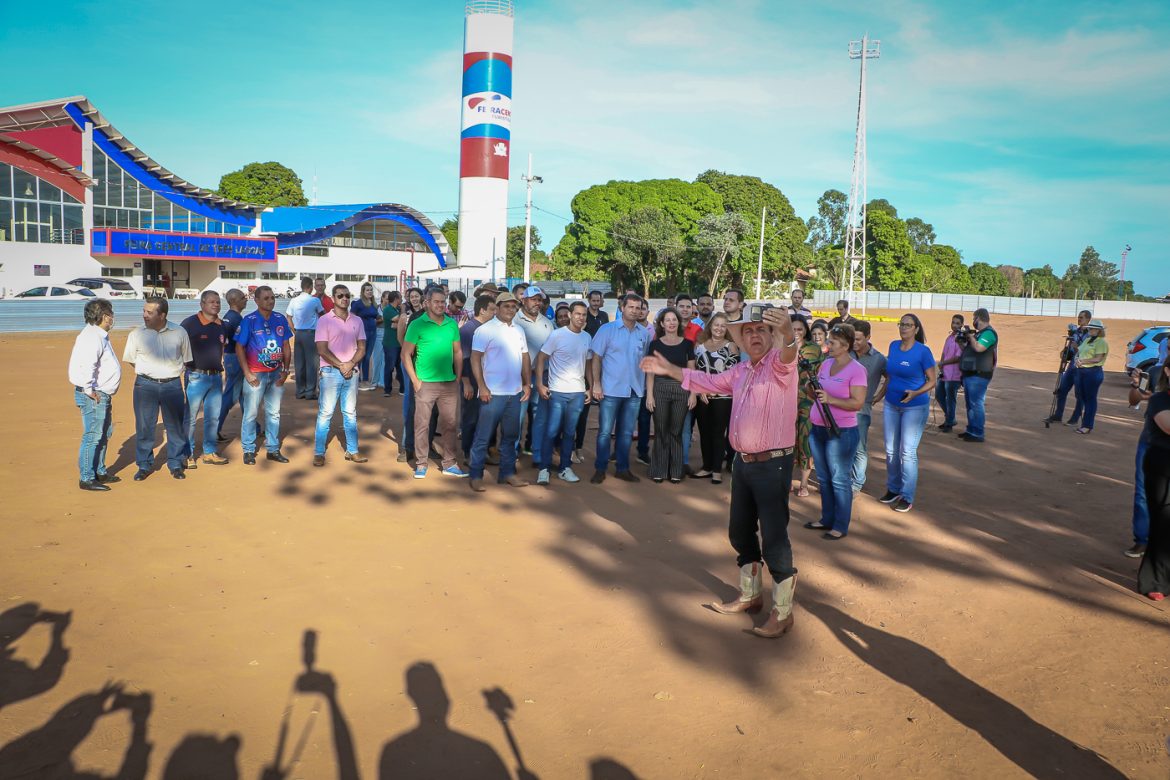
(300, 225)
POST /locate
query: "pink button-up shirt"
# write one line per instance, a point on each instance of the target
(763, 401)
(951, 349)
(341, 335)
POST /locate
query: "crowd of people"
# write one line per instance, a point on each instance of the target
(775, 394)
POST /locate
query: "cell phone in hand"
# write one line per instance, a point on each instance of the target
(1144, 382)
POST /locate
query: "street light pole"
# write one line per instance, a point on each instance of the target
(528, 180)
(760, 261)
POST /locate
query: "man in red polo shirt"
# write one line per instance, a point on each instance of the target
(763, 431)
(319, 291)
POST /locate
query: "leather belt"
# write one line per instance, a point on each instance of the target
(205, 371)
(158, 381)
(760, 457)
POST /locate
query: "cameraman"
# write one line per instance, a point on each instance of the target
(1068, 380)
(977, 364)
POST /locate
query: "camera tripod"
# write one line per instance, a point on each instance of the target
(826, 412)
(1066, 354)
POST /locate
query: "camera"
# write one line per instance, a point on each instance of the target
(756, 311)
(965, 333)
(1072, 328)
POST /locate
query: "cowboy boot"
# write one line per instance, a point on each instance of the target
(780, 618)
(751, 596)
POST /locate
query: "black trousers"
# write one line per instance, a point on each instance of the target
(1154, 574)
(670, 412)
(306, 362)
(713, 418)
(759, 508)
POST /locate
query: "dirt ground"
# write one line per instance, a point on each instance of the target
(991, 632)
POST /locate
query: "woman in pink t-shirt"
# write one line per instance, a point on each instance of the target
(843, 385)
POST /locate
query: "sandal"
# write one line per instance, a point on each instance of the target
(716, 479)
(1084, 430)
(817, 526)
(700, 474)
(833, 536)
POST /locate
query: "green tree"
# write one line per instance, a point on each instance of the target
(827, 228)
(1092, 276)
(892, 262)
(785, 233)
(921, 235)
(1042, 283)
(588, 247)
(946, 272)
(987, 280)
(514, 262)
(880, 204)
(718, 243)
(265, 184)
(450, 229)
(647, 244)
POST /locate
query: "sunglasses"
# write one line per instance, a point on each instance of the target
(343, 295)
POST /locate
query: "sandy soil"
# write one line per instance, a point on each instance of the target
(992, 632)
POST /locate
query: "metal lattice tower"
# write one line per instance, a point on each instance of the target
(863, 50)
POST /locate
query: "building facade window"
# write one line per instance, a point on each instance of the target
(107, 271)
(349, 277)
(310, 250)
(278, 275)
(237, 274)
(33, 210)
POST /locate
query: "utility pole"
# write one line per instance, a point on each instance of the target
(529, 180)
(1121, 284)
(855, 260)
(760, 262)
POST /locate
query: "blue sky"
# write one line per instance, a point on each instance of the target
(1022, 135)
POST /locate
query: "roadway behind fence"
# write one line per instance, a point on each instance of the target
(998, 304)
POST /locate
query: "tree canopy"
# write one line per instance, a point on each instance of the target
(266, 184)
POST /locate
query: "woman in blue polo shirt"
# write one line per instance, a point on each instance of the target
(366, 307)
(912, 374)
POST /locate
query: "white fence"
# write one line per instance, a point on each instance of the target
(998, 304)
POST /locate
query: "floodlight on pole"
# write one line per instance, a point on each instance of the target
(855, 259)
(1121, 284)
(529, 180)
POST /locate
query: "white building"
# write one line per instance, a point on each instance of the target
(77, 199)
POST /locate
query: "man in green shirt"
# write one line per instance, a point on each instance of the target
(391, 349)
(977, 364)
(433, 359)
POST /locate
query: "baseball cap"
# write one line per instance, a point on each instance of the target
(505, 297)
(532, 291)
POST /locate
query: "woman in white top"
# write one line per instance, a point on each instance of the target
(714, 354)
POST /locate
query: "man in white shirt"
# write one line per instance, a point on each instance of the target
(537, 328)
(302, 313)
(565, 354)
(499, 360)
(159, 353)
(95, 373)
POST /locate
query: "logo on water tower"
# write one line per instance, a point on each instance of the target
(487, 108)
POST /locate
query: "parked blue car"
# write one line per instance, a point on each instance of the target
(1142, 352)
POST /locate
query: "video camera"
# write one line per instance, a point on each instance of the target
(964, 334)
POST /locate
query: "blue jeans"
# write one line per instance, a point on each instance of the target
(1068, 381)
(377, 360)
(504, 411)
(391, 353)
(1088, 384)
(539, 412)
(468, 418)
(974, 391)
(270, 393)
(97, 420)
(947, 395)
(564, 409)
(233, 386)
(408, 417)
(687, 432)
(206, 391)
(364, 364)
(904, 426)
(149, 398)
(1141, 510)
(861, 457)
(331, 388)
(622, 412)
(834, 458)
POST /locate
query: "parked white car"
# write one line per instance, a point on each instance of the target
(57, 293)
(106, 286)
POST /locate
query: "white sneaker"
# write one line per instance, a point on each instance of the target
(542, 477)
(568, 476)
(577, 457)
